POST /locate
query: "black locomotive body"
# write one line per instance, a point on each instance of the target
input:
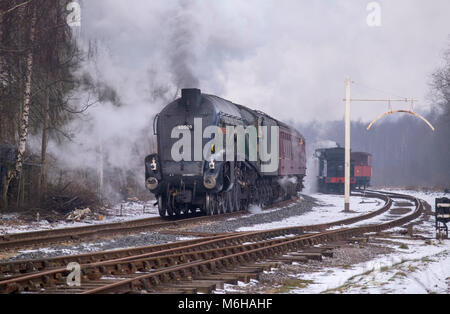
(331, 176)
(217, 183)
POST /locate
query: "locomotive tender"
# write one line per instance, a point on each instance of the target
(263, 160)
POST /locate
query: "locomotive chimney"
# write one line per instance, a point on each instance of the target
(191, 97)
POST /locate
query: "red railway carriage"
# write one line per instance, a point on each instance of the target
(363, 168)
(292, 154)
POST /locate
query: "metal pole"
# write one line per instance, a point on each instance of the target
(347, 144)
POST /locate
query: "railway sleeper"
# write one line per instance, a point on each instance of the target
(309, 256)
(202, 287)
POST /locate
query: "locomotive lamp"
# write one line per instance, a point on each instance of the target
(153, 165)
(151, 183)
(210, 182)
(212, 164)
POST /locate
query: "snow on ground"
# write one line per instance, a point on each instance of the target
(331, 208)
(10, 224)
(429, 197)
(257, 210)
(416, 267)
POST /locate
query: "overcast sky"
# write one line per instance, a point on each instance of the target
(288, 58)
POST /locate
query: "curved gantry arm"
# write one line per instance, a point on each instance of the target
(401, 111)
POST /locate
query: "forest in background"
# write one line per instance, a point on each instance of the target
(45, 88)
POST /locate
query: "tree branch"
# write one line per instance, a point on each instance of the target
(16, 7)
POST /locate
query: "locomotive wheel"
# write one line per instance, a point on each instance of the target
(171, 205)
(270, 195)
(266, 195)
(243, 199)
(256, 197)
(217, 204)
(236, 198)
(212, 208)
(262, 196)
(230, 200)
(161, 206)
(207, 204)
(221, 204)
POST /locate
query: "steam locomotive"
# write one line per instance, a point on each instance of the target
(331, 176)
(216, 156)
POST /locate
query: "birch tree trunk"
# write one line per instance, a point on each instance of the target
(26, 103)
(23, 129)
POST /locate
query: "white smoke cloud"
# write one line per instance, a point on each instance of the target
(286, 54)
(312, 163)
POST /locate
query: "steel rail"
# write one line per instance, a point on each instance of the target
(32, 265)
(152, 279)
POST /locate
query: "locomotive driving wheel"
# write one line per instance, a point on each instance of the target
(171, 205)
(161, 206)
(177, 210)
(221, 203)
(266, 197)
(207, 203)
(211, 204)
(231, 200)
(236, 198)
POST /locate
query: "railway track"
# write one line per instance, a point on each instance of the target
(45, 237)
(27, 266)
(53, 236)
(208, 259)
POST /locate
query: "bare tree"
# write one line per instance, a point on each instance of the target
(23, 134)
